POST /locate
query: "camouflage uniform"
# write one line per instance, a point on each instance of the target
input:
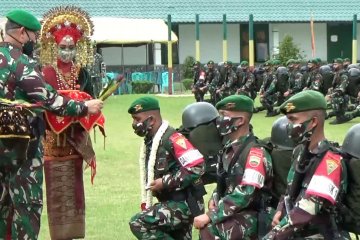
(315, 79)
(23, 205)
(339, 97)
(236, 213)
(271, 96)
(230, 84)
(199, 82)
(247, 83)
(310, 214)
(295, 80)
(267, 79)
(212, 75)
(171, 217)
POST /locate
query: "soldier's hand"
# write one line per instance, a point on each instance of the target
(218, 90)
(94, 106)
(201, 221)
(286, 93)
(156, 185)
(276, 219)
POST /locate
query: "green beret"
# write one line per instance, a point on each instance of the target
(196, 63)
(318, 60)
(210, 62)
(25, 19)
(338, 60)
(346, 59)
(314, 61)
(244, 63)
(237, 103)
(290, 61)
(297, 61)
(144, 104)
(304, 101)
(228, 63)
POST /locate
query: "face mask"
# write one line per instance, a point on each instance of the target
(66, 55)
(296, 132)
(225, 125)
(28, 47)
(142, 128)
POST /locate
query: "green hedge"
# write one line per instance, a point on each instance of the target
(187, 83)
(141, 86)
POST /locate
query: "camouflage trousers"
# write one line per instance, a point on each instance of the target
(242, 225)
(339, 104)
(22, 206)
(166, 220)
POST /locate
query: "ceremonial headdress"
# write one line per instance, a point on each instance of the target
(66, 21)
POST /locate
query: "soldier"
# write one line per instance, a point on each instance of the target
(275, 92)
(316, 179)
(346, 63)
(337, 93)
(199, 87)
(245, 173)
(212, 75)
(268, 78)
(247, 81)
(314, 80)
(229, 86)
(170, 170)
(296, 83)
(21, 201)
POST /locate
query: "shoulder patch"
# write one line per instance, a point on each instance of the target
(185, 152)
(325, 182)
(254, 173)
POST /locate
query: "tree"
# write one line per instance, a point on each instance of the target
(288, 50)
(187, 67)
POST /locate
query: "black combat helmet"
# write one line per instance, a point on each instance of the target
(198, 113)
(351, 141)
(279, 135)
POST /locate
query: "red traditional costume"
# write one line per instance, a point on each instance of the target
(67, 143)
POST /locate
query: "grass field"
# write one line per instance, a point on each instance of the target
(114, 197)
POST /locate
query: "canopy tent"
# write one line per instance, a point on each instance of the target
(124, 31)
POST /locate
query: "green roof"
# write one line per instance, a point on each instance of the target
(208, 10)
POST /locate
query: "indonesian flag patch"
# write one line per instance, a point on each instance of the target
(185, 152)
(326, 180)
(254, 173)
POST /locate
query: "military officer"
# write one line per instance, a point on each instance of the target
(295, 80)
(317, 176)
(337, 93)
(247, 81)
(170, 170)
(212, 75)
(314, 80)
(229, 86)
(246, 169)
(268, 77)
